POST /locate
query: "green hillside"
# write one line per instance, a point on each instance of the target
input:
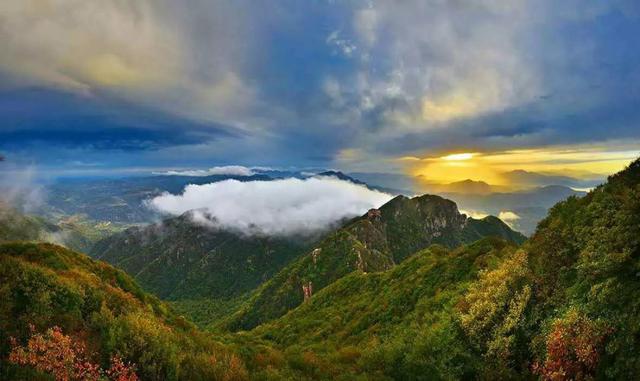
(178, 258)
(44, 286)
(585, 257)
(204, 270)
(371, 243)
(402, 323)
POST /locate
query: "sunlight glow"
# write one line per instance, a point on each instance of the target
(458, 157)
(586, 162)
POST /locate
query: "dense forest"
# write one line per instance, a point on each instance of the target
(411, 291)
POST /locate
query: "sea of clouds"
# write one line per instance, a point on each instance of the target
(278, 208)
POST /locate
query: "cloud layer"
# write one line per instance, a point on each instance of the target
(279, 207)
(508, 216)
(231, 170)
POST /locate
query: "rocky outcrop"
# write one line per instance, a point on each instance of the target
(315, 254)
(374, 214)
(307, 290)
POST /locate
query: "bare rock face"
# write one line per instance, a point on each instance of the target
(374, 214)
(315, 254)
(307, 290)
(360, 262)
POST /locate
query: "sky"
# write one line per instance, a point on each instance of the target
(444, 89)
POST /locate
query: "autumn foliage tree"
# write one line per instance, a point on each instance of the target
(573, 348)
(493, 309)
(66, 359)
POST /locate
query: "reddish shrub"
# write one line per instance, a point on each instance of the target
(65, 359)
(573, 349)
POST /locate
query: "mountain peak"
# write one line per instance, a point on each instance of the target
(341, 176)
(374, 242)
(466, 186)
(469, 182)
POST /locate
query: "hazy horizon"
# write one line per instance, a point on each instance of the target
(444, 90)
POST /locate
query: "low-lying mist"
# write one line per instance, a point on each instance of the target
(20, 190)
(279, 207)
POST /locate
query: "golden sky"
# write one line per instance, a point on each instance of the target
(583, 163)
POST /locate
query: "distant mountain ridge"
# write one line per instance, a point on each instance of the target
(122, 200)
(405, 184)
(530, 206)
(528, 179)
(340, 176)
(467, 186)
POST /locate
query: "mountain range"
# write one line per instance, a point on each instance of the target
(532, 179)
(371, 243)
(469, 187)
(413, 290)
(122, 202)
(181, 259)
(528, 206)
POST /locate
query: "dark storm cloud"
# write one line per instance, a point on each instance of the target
(301, 83)
(48, 117)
